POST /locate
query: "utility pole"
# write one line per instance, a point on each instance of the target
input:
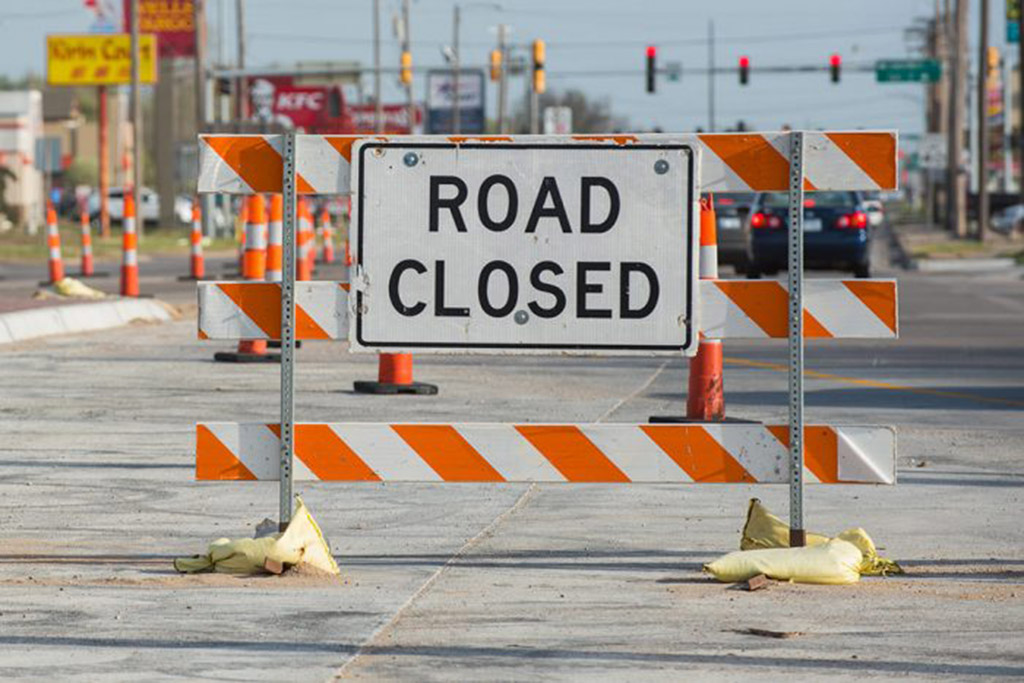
(202, 98)
(456, 58)
(104, 161)
(136, 116)
(711, 76)
(502, 78)
(407, 47)
(378, 117)
(241, 87)
(956, 185)
(983, 68)
(1020, 100)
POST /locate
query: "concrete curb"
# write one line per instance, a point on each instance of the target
(963, 265)
(43, 322)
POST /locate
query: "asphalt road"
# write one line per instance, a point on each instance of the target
(484, 582)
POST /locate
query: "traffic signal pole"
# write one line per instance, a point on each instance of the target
(711, 76)
(983, 73)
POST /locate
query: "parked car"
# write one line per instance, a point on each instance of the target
(1008, 220)
(731, 213)
(837, 233)
(150, 211)
(875, 211)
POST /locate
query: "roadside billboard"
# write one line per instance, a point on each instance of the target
(170, 20)
(97, 59)
(396, 118)
(441, 99)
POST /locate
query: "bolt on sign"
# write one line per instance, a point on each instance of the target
(537, 247)
(97, 59)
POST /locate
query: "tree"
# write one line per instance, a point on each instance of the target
(588, 115)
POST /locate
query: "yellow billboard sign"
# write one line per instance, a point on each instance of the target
(98, 59)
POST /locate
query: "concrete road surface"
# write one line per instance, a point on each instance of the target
(486, 582)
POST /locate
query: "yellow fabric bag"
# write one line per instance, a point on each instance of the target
(833, 562)
(302, 542)
(765, 530)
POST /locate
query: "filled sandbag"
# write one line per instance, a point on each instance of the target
(833, 562)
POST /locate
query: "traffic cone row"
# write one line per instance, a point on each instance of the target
(129, 249)
(254, 269)
(54, 261)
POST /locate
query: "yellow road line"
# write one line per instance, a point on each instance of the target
(746, 362)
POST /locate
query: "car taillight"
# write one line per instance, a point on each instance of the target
(858, 220)
(757, 220)
(774, 222)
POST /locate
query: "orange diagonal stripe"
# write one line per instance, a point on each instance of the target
(617, 139)
(343, 144)
(572, 453)
(255, 161)
(767, 304)
(753, 159)
(698, 454)
(214, 461)
(880, 297)
(260, 301)
(874, 153)
(450, 455)
(820, 450)
(326, 455)
(305, 326)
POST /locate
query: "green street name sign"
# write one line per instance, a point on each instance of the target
(908, 70)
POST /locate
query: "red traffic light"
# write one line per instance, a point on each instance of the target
(652, 51)
(744, 69)
(744, 62)
(835, 60)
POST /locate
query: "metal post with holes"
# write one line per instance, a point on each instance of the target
(796, 339)
(288, 332)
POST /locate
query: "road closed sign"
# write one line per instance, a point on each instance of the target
(547, 246)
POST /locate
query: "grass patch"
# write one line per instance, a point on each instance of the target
(950, 249)
(18, 246)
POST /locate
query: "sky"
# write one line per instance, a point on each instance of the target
(584, 37)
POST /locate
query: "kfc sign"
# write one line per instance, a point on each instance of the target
(311, 109)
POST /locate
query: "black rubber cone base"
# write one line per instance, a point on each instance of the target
(421, 388)
(276, 344)
(680, 419)
(95, 273)
(236, 357)
(190, 278)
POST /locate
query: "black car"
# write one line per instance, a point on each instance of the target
(837, 233)
(733, 229)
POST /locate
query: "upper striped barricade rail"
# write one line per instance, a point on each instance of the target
(750, 453)
(730, 162)
(729, 309)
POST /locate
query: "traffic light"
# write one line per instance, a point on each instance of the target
(744, 69)
(835, 62)
(538, 66)
(652, 56)
(495, 65)
(406, 75)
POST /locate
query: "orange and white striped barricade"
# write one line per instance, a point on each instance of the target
(326, 237)
(129, 249)
(254, 267)
(717, 309)
(54, 261)
(197, 261)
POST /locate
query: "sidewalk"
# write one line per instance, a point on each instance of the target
(930, 248)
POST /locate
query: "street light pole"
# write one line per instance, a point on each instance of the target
(982, 131)
(136, 116)
(406, 47)
(502, 78)
(378, 106)
(456, 105)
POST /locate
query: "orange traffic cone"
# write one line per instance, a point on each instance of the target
(54, 261)
(705, 399)
(326, 237)
(394, 376)
(304, 243)
(88, 268)
(254, 268)
(130, 249)
(197, 262)
(275, 239)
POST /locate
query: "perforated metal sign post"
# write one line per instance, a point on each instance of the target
(538, 247)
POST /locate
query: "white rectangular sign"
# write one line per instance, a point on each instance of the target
(548, 245)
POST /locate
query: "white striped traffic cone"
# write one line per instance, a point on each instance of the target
(129, 249)
(54, 261)
(88, 269)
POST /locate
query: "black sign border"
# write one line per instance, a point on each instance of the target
(456, 346)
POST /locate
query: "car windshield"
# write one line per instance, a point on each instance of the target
(780, 200)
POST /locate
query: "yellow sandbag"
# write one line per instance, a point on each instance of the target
(301, 543)
(834, 562)
(765, 530)
(75, 289)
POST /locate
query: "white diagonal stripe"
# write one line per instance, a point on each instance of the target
(720, 318)
(321, 165)
(828, 167)
(385, 452)
(221, 318)
(753, 447)
(635, 453)
(842, 313)
(511, 454)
